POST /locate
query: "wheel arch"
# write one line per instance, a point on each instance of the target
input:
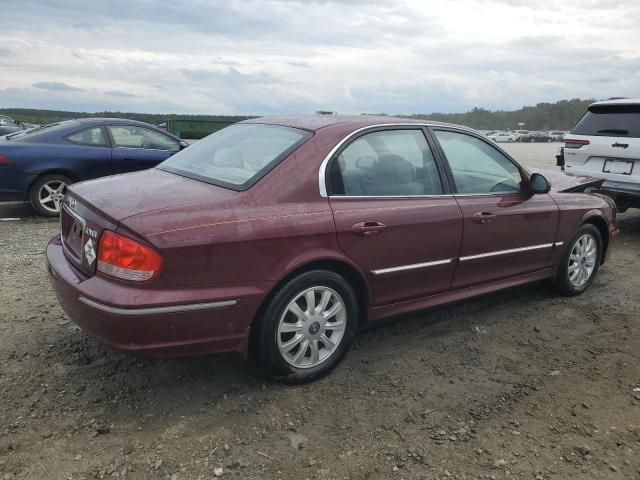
(53, 171)
(350, 272)
(603, 227)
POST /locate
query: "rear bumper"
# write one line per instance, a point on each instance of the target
(214, 320)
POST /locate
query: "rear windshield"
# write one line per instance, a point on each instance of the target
(610, 121)
(32, 132)
(238, 156)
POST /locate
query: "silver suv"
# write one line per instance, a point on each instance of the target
(605, 144)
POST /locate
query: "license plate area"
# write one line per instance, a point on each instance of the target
(72, 229)
(620, 167)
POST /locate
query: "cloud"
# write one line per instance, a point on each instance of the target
(56, 86)
(298, 56)
(117, 93)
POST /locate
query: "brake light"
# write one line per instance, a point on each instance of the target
(4, 161)
(575, 143)
(127, 259)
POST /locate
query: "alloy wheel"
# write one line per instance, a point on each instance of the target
(311, 327)
(51, 194)
(582, 260)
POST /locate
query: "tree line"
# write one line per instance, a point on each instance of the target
(561, 115)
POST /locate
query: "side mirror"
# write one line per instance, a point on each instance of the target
(183, 145)
(539, 184)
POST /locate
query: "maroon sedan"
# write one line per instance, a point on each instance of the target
(282, 236)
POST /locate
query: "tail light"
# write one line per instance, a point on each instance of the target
(575, 143)
(127, 259)
(4, 161)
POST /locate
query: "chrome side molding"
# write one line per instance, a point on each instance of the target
(156, 310)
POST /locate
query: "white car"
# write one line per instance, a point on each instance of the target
(503, 137)
(605, 144)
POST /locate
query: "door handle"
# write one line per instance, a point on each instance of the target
(367, 229)
(483, 217)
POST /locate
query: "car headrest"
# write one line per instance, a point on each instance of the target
(394, 169)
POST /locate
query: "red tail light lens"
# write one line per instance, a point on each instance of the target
(575, 143)
(4, 161)
(127, 259)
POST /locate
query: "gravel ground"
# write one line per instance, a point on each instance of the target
(518, 384)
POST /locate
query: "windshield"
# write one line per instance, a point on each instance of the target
(238, 156)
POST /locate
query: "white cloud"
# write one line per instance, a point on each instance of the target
(294, 56)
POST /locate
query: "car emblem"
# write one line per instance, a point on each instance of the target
(72, 202)
(620, 145)
(89, 252)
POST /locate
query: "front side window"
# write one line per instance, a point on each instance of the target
(89, 136)
(237, 156)
(133, 136)
(387, 163)
(477, 167)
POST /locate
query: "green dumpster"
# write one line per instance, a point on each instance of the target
(195, 129)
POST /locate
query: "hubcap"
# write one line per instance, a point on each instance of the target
(51, 194)
(311, 327)
(582, 260)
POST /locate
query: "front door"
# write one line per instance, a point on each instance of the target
(393, 214)
(508, 231)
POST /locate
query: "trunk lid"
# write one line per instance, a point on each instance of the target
(97, 205)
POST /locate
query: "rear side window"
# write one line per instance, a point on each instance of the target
(133, 136)
(89, 136)
(610, 121)
(388, 163)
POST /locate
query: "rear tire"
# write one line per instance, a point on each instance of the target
(580, 262)
(307, 327)
(47, 192)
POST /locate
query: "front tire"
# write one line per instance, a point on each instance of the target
(47, 192)
(307, 327)
(580, 262)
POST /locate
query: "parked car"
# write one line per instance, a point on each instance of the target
(535, 137)
(605, 144)
(503, 137)
(9, 125)
(37, 165)
(557, 136)
(280, 237)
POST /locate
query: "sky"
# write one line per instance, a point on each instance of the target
(272, 57)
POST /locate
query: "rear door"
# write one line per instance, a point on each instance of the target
(394, 215)
(139, 148)
(508, 231)
(606, 144)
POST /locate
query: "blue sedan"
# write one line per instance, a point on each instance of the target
(37, 165)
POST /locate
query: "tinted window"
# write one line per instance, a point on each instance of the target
(90, 136)
(610, 121)
(389, 163)
(132, 136)
(236, 156)
(478, 167)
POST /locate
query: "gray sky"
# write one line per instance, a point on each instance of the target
(298, 56)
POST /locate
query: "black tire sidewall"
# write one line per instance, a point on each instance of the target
(271, 361)
(562, 280)
(35, 188)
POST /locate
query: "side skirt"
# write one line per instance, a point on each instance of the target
(378, 313)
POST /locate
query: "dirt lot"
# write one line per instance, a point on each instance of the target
(519, 384)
